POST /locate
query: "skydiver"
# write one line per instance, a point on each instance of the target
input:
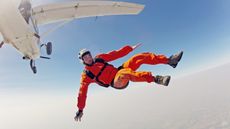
(98, 70)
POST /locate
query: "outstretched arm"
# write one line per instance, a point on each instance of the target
(113, 55)
(82, 95)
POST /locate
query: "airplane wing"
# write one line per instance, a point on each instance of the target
(50, 13)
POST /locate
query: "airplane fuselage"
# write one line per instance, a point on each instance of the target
(17, 31)
(19, 21)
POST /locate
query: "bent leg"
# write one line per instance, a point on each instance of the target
(127, 74)
(145, 58)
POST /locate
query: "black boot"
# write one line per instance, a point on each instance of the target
(162, 80)
(1, 44)
(174, 59)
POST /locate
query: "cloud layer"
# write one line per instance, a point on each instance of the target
(195, 101)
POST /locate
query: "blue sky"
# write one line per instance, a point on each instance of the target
(200, 28)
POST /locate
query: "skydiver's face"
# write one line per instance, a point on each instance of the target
(88, 59)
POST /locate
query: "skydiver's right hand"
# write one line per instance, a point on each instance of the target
(78, 116)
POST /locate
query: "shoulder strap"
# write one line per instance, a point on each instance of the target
(100, 60)
(89, 74)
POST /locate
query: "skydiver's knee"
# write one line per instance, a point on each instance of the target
(120, 86)
(120, 83)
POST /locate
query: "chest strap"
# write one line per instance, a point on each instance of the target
(96, 77)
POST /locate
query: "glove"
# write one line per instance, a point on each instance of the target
(78, 116)
(135, 46)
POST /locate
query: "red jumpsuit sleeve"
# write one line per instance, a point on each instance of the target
(82, 95)
(113, 55)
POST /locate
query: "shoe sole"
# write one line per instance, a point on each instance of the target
(180, 56)
(167, 80)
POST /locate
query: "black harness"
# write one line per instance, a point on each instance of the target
(96, 77)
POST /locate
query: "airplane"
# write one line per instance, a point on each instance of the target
(19, 23)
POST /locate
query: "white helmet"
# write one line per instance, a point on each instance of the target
(82, 53)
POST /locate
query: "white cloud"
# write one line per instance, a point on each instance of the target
(197, 101)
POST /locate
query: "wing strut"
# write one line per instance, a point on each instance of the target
(56, 27)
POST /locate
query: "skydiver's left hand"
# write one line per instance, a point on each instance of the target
(136, 46)
(78, 116)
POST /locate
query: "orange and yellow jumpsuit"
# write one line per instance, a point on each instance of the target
(118, 78)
